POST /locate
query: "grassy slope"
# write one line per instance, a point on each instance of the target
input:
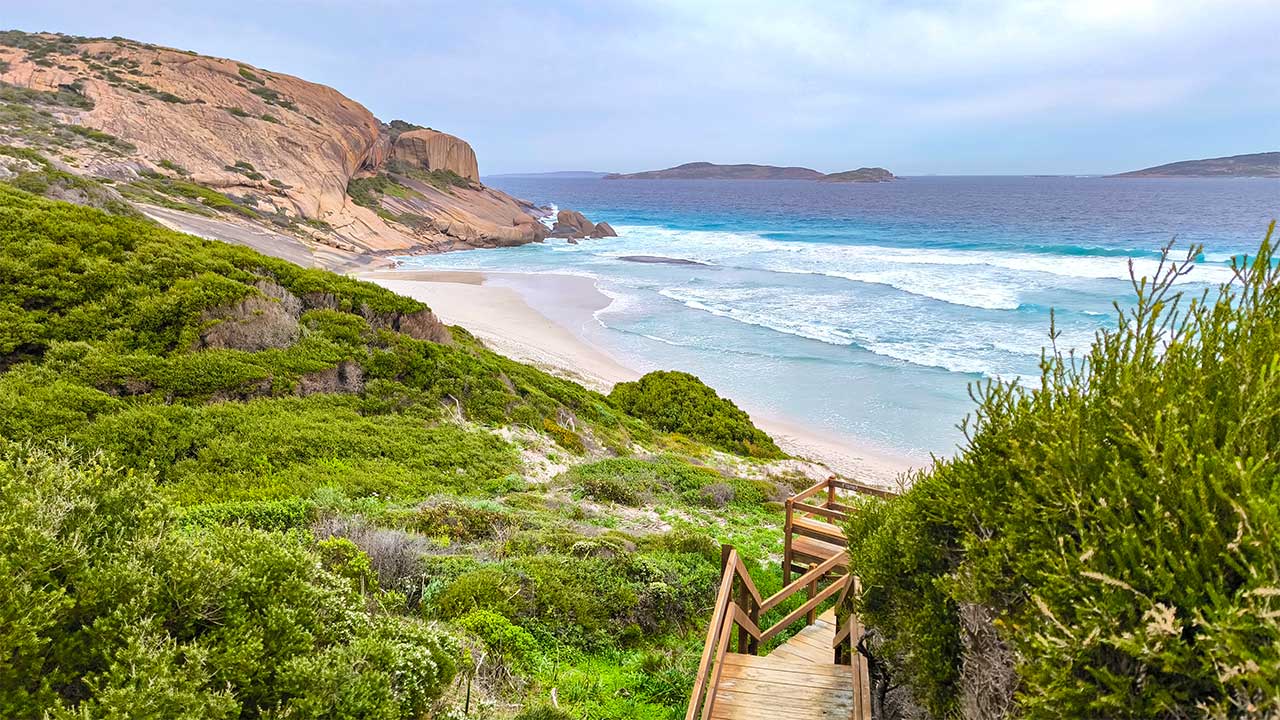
(591, 581)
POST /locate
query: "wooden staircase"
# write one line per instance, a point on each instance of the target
(816, 673)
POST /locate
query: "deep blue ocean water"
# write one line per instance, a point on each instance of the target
(869, 309)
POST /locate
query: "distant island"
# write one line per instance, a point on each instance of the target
(712, 171)
(556, 174)
(865, 174)
(1254, 165)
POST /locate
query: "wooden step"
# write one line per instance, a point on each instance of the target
(805, 549)
(762, 688)
(817, 529)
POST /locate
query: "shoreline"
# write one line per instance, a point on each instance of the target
(531, 317)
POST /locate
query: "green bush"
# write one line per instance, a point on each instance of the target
(510, 642)
(456, 521)
(112, 611)
(1121, 522)
(251, 76)
(288, 514)
(679, 402)
(627, 481)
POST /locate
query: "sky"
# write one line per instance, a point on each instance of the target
(916, 86)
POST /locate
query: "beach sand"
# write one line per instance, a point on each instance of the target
(499, 308)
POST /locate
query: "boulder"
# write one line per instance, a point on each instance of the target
(572, 224)
(603, 230)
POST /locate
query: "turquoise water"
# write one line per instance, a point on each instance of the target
(869, 309)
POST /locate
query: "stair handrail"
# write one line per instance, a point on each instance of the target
(744, 614)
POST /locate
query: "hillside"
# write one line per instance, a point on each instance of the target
(1253, 165)
(244, 154)
(712, 171)
(300, 493)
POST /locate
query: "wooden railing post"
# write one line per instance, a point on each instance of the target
(744, 601)
(813, 591)
(831, 491)
(786, 546)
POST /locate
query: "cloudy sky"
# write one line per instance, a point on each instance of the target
(918, 86)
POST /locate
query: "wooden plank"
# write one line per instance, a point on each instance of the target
(820, 510)
(805, 547)
(801, 669)
(811, 653)
(771, 707)
(823, 530)
(764, 673)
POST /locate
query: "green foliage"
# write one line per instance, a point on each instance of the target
(543, 712)
(679, 402)
(287, 514)
(236, 111)
(112, 611)
(510, 642)
(173, 167)
(627, 481)
(564, 437)
(1121, 521)
(368, 192)
(270, 118)
(249, 75)
(65, 96)
(102, 137)
(105, 351)
(182, 195)
(455, 520)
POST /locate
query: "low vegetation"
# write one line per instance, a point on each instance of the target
(118, 612)
(1106, 544)
(679, 402)
(414, 517)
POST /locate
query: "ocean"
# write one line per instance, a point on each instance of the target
(870, 309)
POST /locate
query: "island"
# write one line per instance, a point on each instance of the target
(747, 171)
(861, 175)
(1266, 164)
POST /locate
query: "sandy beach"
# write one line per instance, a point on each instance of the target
(499, 308)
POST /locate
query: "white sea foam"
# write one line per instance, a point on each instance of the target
(977, 278)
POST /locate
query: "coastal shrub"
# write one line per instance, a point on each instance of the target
(495, 588)
(627, 481)
(564, 437)
(109, 602)
(512, 644)
(287, 514)
(456, 521)
(679, 402)
(1119, 522)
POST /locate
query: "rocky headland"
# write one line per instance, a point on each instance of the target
(1265, 164)
(235, 152)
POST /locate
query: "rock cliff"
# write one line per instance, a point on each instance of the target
(241, 151)
(431, 150)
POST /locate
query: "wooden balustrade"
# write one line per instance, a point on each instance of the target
(739, 604)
